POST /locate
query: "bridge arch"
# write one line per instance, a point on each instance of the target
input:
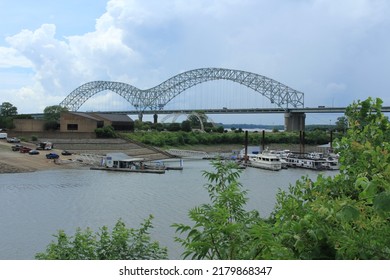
(157, 97)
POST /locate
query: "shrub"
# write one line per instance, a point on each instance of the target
(121, 244)
(105, 132)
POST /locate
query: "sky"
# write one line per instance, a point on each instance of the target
(336, 52)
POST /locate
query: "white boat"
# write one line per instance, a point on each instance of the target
(266, 161)
(282, 154)
(309, 163)
(331, 163)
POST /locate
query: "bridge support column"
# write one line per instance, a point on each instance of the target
(294, 121)
(140, 116)
(155, 118)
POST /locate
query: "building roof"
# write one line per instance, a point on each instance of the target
(103, 116)
(123, 157)
(85, 115)
(114, 117)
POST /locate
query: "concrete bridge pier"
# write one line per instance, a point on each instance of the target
(294, 121)
(140, 116)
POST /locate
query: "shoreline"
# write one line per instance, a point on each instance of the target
(16, 162)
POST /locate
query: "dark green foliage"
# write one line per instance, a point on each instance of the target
(23, 117)
(120, 244)
(177, 138)
(186, 126)
(342, 124)
(51, 125)
(7, 113)
(223, 229)
(347, 216)
(174, 127)
(52, 113)
(105, 132)
(220, 129)
(8, 110)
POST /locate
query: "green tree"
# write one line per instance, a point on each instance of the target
(53, 113)
(220, 129)
(196, 118)
(7, 114)
(346, 216)
(223, 229)
(121, 244)
(8, 110)
(186, 126)
(174, 127)
(342, 124)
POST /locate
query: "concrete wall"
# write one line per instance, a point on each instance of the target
(51, 135)
(27, 125)
(83, 124)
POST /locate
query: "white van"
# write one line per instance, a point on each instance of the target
(3, 135)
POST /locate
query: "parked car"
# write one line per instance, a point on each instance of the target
(33, 152)
(66, 153)
(24, 149)
(52, 156)
(16, 148)
(13, 140)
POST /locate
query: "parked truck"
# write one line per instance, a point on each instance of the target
(3, 135)
(44, 146)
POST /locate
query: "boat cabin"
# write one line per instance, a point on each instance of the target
(121, 160)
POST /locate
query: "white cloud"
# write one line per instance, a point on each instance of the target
(9, 57)
(327, 49)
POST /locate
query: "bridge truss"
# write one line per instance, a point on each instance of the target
(157, 97)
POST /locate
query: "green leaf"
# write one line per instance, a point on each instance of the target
(382, 203)
(369, 190)
(349, 213)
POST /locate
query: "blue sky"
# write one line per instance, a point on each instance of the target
(335, 52)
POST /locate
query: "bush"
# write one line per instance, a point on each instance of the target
(105, 132)
(120, 244)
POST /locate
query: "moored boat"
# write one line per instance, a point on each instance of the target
(331, 163)
(265, 161)
(316, 164)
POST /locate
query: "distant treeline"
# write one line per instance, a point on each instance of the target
(179, 138)
(253, 126)
(309, 127)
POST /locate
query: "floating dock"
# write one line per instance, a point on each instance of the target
(152, 171)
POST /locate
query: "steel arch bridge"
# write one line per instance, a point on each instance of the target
(157, 97)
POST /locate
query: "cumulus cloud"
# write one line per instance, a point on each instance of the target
(330, 50)
(9, 57)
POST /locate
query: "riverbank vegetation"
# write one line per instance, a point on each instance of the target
(342, 217)
(189, 132)
(180, 138)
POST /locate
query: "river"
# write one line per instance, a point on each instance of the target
(34, 206)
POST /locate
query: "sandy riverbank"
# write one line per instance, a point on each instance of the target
(16, 162)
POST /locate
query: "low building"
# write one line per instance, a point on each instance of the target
(88, 122)
(119, 122)
(28, 125)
